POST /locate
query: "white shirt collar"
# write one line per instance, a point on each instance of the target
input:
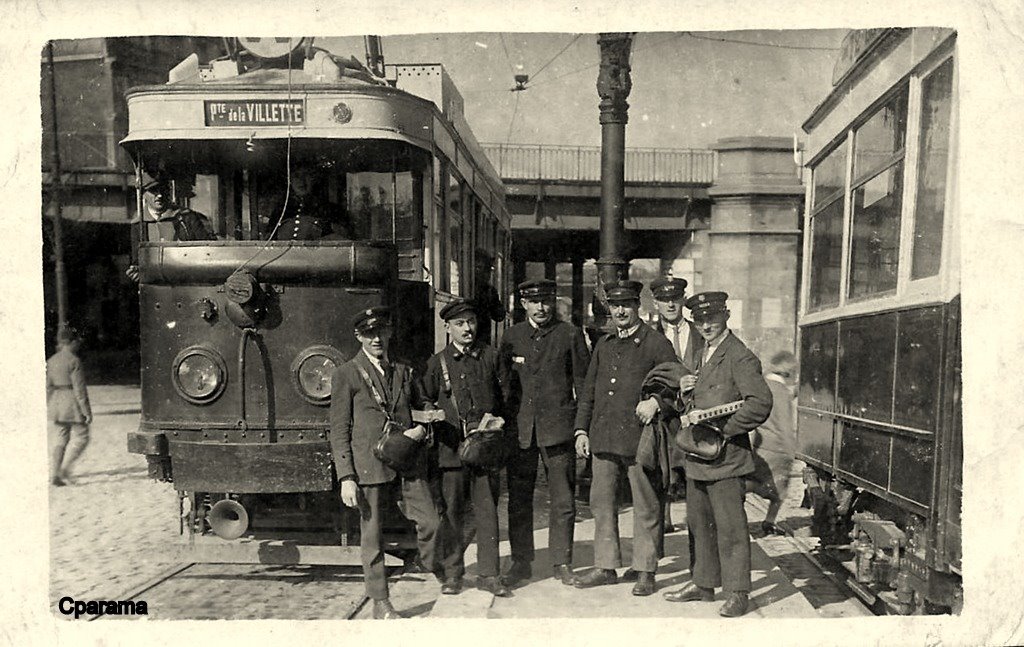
(459, 347)
(375, 361)
(622, 334)
(713, 345)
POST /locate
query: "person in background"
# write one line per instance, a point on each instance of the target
(365, 391)
(467, 381)
(307, 215)
(547, 360)
(774, 442)
(67, 405)
(609, 421)
(727, 372)
(165, 220)
(488, 303)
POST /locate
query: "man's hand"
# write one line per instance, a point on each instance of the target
(583, 445)
(686, 383)
(646, 410)
(350, 493)
(132, 273)
(417, 433)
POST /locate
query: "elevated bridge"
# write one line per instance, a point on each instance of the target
(726, 217)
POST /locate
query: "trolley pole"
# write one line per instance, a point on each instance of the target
(613, 85)
(57, 190)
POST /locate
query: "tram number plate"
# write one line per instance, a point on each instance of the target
(255, 112)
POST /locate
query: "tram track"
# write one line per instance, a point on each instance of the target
(165, 589)
(823, 564)
(147, 585)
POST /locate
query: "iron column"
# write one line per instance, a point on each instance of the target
(613, 85)
(57, 193)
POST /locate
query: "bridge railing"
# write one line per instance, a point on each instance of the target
(583, 163)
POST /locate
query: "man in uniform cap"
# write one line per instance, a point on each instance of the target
(669, 297)
(548, 359)
(166, 221)
(608, 423)
(67, 405)
(467, 381)
(365, 392)
(726, 372)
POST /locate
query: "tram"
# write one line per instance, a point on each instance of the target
(239, 335)
(879, 413)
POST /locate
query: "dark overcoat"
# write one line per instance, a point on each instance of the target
(479, 385)
(612, 390)
(732, 373)
(547, 368)
(357, 420)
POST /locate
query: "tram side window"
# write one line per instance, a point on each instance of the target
(877, 199)
(455, 234)
(936, 94)
(827, 229)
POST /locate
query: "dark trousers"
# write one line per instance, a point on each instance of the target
(483, 489)
(648, 513)
(718, 527)
(418, 507)
(560, 471)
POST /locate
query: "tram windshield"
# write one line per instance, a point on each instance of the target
(366, 190)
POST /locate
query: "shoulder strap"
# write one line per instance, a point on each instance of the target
(373, 389)
(448, 385)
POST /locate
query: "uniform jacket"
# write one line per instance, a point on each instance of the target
(310, 218)
(732, 373)
(357, 420)
(547, 368)
(66, 397)
(694, 346)
(479, 383)
(612, 390)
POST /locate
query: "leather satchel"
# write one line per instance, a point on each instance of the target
(395, 449)
(700, 435)
(485, 445)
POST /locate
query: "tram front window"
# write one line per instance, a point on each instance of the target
(317, 191)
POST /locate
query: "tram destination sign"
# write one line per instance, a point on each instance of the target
(255, 112)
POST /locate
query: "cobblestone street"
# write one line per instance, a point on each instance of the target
(114, 530)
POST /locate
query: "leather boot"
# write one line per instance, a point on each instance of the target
(517, 572)
(644, 583)
(494, 586)
(735, 605)
(690, 593)
(382, 610)
(596, 577)
(563, 574)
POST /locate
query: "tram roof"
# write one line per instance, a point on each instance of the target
(181, 110)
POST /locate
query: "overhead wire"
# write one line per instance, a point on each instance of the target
(552, 60)
(515, 111)
(288, 172)
(756, 44)
(508, 58)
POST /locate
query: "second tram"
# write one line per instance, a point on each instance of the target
(879, 415)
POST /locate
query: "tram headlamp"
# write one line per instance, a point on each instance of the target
(198, 374)
(311, 373)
